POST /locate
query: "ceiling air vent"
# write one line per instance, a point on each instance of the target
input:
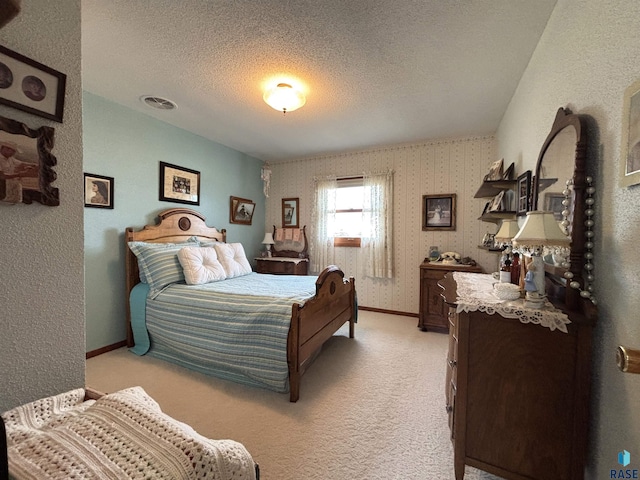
(158, 102)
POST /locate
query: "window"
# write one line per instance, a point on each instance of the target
(346, 226)
(354, 212)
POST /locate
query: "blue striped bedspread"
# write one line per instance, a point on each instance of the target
(234, 329)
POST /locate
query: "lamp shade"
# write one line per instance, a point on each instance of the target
(284, 97)
(508, 230)
(541, 229)
(268, 239)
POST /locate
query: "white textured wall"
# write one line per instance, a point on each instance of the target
(441, 166)
(586, 58)
(41, 279)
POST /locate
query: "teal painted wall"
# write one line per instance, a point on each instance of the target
(129, 146)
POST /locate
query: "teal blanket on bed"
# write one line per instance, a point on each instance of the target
(234, 329)
(137, 307)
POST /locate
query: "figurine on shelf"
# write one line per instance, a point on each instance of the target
(529, 284)
(533, 298)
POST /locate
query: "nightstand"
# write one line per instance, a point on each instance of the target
(282, 265)
(433, 311)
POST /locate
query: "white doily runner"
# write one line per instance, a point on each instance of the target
(475, 293)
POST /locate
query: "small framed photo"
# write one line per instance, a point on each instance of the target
(553, 203)
(496, 203)
(523, 189)
(30, 86)
(630, 149)
(98, 191)
(439, 212)
(489, 240)
(241, 210)
(508, 173)
(495, 172)
(290, 217)
(179, 184)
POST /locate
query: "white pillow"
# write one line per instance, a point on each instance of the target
(200, 265)
(233, 259)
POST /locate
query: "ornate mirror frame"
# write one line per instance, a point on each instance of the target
(566, 123)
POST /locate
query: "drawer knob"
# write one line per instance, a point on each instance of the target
(628, 360)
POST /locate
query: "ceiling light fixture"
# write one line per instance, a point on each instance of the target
(283, 97)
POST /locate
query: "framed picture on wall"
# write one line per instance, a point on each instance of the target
(26, 164)
(290, 217)
(439, 212)
(241, 210)
(630, 149)
(98, 191)
(30, 86)
(179, 184)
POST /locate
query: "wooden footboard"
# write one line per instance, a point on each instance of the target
(317, 320)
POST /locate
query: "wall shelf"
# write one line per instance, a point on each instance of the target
(497, 217)
(490, 188)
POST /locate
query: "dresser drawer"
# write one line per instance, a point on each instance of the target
(281, 267)
(451, 381)
(433, 310)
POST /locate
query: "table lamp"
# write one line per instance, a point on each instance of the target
(540, 229)
(508, 230)
(268, 241)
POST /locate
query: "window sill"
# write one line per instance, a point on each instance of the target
(346, 242)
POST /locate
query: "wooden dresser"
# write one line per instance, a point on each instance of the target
(517, 394)
(289, 253)
(282, 265)
(433, 311)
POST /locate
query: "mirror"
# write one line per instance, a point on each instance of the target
(562, 158)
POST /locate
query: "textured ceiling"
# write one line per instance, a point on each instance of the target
(374, 72)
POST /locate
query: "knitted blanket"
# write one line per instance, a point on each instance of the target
(121, 435)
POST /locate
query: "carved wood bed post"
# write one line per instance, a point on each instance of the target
(293, 344)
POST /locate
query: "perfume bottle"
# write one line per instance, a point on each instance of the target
(515, 269)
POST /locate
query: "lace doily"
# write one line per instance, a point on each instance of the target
(475, 293)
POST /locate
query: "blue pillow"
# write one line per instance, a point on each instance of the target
(158, 263)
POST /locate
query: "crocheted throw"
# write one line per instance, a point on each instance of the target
(121, 435)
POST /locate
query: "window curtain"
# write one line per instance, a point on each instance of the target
(322, 252)
(377, 216)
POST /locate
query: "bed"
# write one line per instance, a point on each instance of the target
(265, 338)
(83, 434)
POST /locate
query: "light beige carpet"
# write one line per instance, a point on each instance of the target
(370, 407)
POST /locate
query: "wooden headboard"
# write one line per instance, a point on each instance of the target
(174, 226)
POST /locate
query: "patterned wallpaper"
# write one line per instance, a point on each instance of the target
(440, 166)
